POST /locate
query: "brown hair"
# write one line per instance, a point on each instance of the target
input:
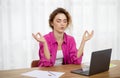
(55, 12)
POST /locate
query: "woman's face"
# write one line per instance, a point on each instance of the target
(59, 23)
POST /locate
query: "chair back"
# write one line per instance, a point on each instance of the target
(35, 63)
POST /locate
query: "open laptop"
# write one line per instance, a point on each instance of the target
(100, 61)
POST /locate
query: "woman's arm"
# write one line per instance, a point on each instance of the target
(46, 50)
(86, 36)
(40, 38)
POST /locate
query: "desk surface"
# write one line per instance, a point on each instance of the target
(16, 73)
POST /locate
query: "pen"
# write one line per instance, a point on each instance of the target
(51, 73)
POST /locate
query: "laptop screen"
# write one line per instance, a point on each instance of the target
(100, 61)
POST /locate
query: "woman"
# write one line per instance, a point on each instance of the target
(57, 47)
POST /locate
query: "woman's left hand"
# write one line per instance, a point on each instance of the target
(87, 36)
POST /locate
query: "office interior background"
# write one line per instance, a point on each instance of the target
(20, 18)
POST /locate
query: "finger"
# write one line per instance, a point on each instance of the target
(33, 35)
(39, 34)
(87, 33)
(92, 33)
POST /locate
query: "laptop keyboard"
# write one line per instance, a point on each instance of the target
(85, 69)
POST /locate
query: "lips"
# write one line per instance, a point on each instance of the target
(62, 28)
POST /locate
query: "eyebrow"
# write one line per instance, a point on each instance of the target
(61, 19)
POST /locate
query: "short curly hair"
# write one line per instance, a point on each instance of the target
(55, 12)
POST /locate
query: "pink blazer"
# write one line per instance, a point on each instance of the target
(68, 48)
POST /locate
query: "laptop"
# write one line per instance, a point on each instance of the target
(100, 61)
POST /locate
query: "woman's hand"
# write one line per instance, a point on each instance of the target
(39, 37)
(87, 36)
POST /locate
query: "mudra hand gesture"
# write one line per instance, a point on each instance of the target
(39, 37)
(87, 36)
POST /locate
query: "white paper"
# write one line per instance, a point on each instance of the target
(43, 74)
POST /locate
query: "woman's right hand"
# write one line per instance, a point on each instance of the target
(39, 37)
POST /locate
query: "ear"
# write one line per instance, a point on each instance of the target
(52, 24)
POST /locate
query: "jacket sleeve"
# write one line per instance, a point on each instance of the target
(43, 61)
(73, 53)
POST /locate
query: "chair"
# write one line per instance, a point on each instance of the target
(35, 63)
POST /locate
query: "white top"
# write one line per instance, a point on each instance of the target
(59, 58)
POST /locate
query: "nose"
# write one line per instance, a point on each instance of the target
(62, 23)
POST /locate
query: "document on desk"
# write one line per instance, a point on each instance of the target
(43, 74)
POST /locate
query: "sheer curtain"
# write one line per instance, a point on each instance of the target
(102, 17)
(20, 18)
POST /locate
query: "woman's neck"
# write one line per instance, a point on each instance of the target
(58, 36)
